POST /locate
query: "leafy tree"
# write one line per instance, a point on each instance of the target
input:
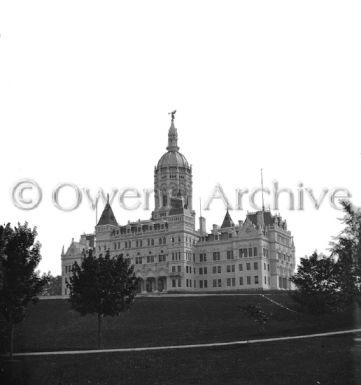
(347, 249)
(53, 287)
(333, 283)
(317, 283)
(102, 285)
(20, 283)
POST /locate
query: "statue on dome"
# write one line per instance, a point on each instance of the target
(172, 114)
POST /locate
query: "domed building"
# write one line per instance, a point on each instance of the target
(170, 255)
(172, 180)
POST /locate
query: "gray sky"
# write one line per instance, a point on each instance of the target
(85, 88)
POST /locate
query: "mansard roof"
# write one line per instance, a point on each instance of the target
(227, 221)
(107, 217)
(267, 218)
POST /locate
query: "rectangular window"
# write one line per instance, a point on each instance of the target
(214, 283)
(233, 268)
(219, 269)
(204, 270)
(228, 268)
(240, 267)
(179, 269)
(214, 269)
(229, 254)
(248, 280)
(248, 265)
(255, 251)
(179, 282)
(228, 281)
(250, 252)
(219, 283)
(233, 281)
(255, 265)
(265, 280)
(200, 270)
(201, 284)
(241, 281)
(205, 284)
(256, 279)
(173, 283)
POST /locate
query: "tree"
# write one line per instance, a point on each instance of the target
(20, 283)
(53, 287)
(317, 283)
(103, 286)
(347, 249)
(333, 283)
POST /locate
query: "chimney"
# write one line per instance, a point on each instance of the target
(202, 225)
(215, 229)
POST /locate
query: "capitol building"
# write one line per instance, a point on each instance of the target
(170, 254)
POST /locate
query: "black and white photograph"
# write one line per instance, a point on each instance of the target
(180, 200)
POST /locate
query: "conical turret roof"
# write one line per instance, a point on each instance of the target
(107, 217)
(227, 221)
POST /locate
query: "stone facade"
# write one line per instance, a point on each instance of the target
(170, 255)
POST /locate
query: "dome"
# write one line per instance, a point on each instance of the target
(173, 159)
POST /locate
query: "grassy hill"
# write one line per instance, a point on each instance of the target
(52, 325)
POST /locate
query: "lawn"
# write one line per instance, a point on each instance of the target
(52, 325)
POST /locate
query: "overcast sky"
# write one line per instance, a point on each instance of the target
(86, 87)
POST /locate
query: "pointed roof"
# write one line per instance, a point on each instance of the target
(227, 221)
(172, 138)
(107, 217)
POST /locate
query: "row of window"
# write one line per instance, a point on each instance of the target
(202, 270)
(139, 229)
(230, 282)
(150, 242)
(176, 268)
(150, 259)
(232, 268)
(242, 253)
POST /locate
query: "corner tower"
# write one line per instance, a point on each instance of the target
(172, 179)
